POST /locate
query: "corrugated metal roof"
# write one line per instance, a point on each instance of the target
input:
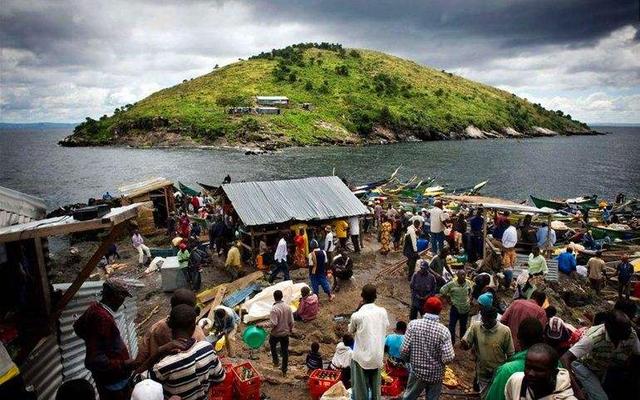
(138, 188)
(308, 199)
(18, 208)
(66, 224)
(272, 98)
(72, 347)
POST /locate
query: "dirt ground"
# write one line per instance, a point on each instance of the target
(393, 294)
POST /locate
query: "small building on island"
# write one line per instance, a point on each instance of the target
(272, 100)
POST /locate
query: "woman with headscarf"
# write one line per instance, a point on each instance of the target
(385, 236)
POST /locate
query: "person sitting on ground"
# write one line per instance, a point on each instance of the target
(625, 272)
(557, 333)
(427, 348)
(423, 285)
(521, 309)
(225, 324)
(314, 358)
(138, 243)
(76, 389)
(492, 344)
(309, 306)
(160, 333)
(541, 378)
(457, 292)
(112, 253)
(567, 262)
(393, 342)
(537, 265)
(195, 367)
(342, 270)
(529, 333)
(601, 349)
(341, 360)
(596, 271)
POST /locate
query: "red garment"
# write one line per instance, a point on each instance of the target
(106, 352)
(185, 226)
(518, 311)
(195, 203)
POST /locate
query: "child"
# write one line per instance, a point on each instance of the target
(393, 342)
(314, 359)
(342, 359)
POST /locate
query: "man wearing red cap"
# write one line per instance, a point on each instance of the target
(427, 347)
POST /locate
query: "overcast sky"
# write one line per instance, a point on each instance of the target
(64, 60)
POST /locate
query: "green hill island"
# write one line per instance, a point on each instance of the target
(322, 94)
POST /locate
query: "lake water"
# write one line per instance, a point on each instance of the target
(32, 162)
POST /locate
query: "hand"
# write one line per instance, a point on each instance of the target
(174, 346)
(131, 363)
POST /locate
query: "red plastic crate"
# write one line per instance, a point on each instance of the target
(396, 371)
(224, 389)
(318, 385)
(393, 388)
(246, 388)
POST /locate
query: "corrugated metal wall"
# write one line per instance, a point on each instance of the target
(72, 348)
(43, 368)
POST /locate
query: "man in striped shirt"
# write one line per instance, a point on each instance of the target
(188, 373)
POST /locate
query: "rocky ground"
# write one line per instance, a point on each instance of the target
(393, 294)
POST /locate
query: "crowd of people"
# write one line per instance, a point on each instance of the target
(521, 347)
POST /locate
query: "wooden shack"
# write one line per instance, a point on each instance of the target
(156, 194)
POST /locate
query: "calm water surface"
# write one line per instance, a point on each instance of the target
(32, 162)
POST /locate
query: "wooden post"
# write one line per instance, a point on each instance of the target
(87, 269)
(484, 233)
(253, 247)
(166, 201)
(547, 241)
(43, 280)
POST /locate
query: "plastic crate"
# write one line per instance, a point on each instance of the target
(164, 253)
(224, 389)
(392, 389)
(321, 380)
(396, 370)
(246, 388)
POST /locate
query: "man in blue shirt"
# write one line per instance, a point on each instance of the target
(625, 272)
(567, 262)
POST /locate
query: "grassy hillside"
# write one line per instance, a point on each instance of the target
(356, 96)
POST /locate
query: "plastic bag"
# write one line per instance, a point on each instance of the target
(336, 392)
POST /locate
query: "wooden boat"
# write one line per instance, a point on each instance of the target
(187, 190)
(580, 202)
(600, 232)
(540, 203)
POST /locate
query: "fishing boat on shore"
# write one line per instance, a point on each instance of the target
(600, 232)
(580, 202)
(187, 190)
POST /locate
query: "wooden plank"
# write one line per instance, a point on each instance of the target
(231, 287)
(87, 269)
(207, 295)
(43, 279)
(216, 301)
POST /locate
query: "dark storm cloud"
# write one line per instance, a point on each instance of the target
(512, 23)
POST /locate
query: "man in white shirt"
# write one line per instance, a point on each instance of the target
(354, 231)
(329, 242)
(280, 261)
(411, 247)
(509, 241)
(369, 328)
(418, 217)
(437, 218)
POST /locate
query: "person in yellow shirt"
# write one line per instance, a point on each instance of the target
(233, 263)
(342, 230)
